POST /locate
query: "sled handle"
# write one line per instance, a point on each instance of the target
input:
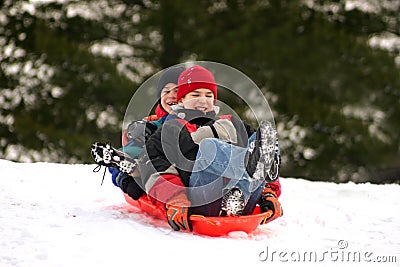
(195, 217)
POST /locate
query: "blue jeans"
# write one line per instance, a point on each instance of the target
(219, 167)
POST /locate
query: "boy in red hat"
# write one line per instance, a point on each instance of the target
(172, 166)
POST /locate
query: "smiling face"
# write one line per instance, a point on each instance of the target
(201, 99)
(168, 96)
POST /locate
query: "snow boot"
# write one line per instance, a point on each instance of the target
(105, 155)
(232, 203)
(261, 156)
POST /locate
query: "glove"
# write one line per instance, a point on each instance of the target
(127, 183)
(118, 177)
(114, 175)
(222, 129)
(226, 131)
(178, 213)
(269, 201)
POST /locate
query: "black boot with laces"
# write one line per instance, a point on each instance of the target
(259, 159)
(105, 155)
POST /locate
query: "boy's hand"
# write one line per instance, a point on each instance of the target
(269, 201)
(222, 129)
(178, 213)
(225, 129)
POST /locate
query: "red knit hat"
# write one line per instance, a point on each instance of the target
(194, 78)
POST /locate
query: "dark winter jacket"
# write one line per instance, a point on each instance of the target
(165, 170)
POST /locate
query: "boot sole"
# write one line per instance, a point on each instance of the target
(106, 155)
(232, 203)
(267, 148)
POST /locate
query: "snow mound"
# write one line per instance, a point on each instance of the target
(60, 215)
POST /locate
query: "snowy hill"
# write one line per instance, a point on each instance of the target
(59, 215)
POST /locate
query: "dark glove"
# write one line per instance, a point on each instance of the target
(139, 131)
(269, 202)
(178, 214)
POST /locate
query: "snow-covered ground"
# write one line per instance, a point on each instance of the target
(59, 215)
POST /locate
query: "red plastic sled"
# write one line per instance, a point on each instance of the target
(211, 226)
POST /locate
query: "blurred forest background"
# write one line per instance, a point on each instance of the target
(329, 69)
